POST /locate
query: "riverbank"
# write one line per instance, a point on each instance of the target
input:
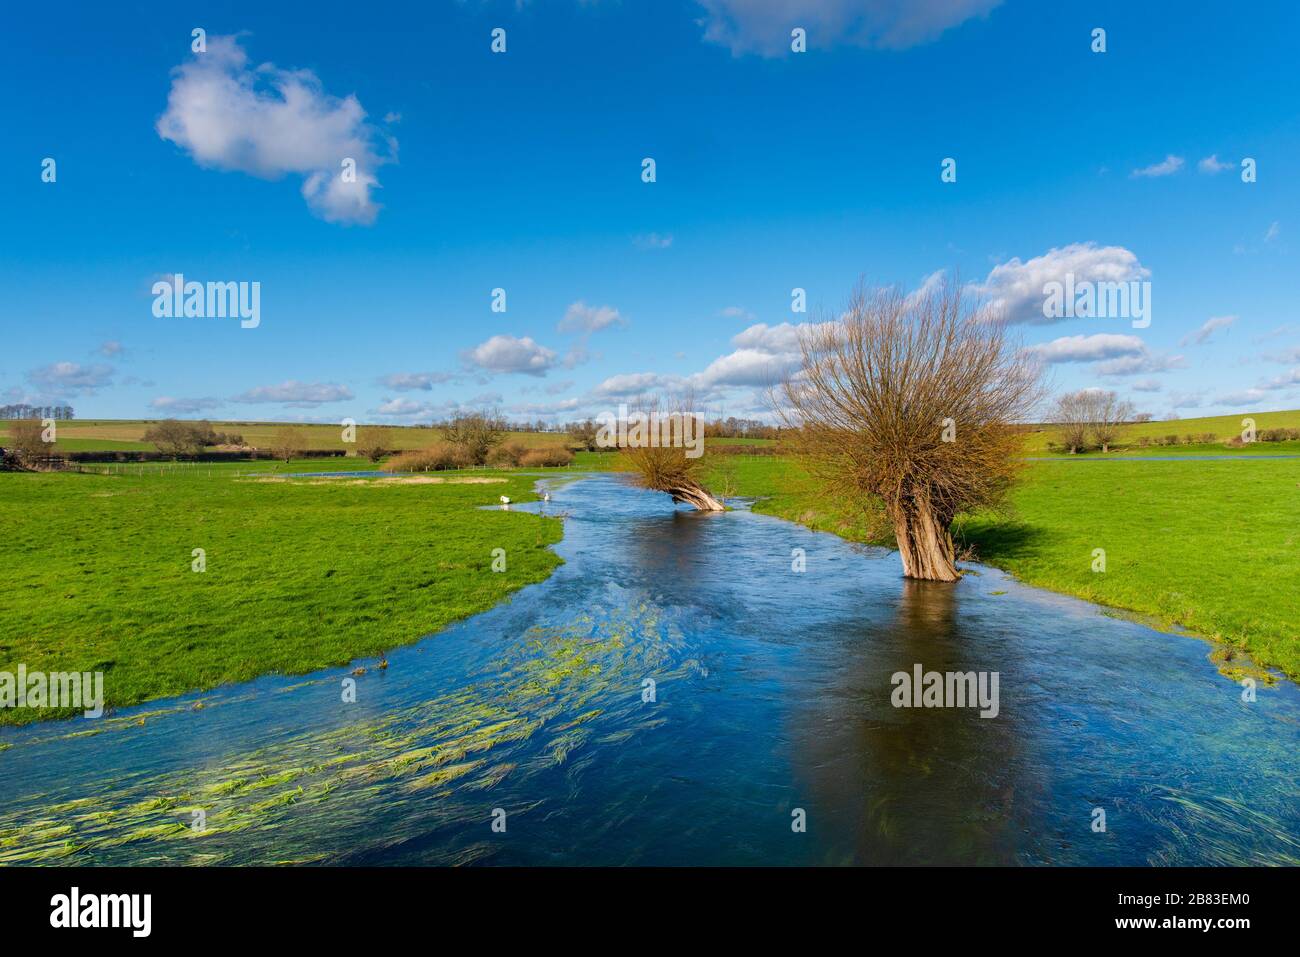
(1212, 547)
(99, 572)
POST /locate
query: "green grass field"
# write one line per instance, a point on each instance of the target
(84, 435)
(310, 573)
(301, 574)
(1222, 426)
(1211, 546)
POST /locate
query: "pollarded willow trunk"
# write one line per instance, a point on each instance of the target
(697, 495)
(923, 542)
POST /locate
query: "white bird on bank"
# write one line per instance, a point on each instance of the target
(546, 496)
(505, 500)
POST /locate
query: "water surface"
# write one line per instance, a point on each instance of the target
(771, 696)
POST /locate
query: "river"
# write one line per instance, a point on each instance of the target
(677, 694)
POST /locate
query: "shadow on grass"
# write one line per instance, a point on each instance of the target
(988, 540)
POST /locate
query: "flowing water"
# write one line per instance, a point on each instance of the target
(771, 704)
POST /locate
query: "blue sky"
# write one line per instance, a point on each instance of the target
(522, 171)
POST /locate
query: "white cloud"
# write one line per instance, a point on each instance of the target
(1208, 327)
(1147, 385)
(1211, 164)
(1286, 329)
(1244, 397)
(736, 312)
(580, 317)
(509, 354)
(295, 393)
(71, 378)
(110, 348)
(1014, 289)
(1285, 381)
(775, 339)
(167, 403)
(1186, 400)
(763, 26)
(1273, 231)
(408, 381)
(1166, 167)
(1286, 356)
(268, 122)
(652, 241)
(930, 284)
(630, 384)
(402, 407)
(1139, 365)
(544, 409)
(747, 367)
(1087, 348)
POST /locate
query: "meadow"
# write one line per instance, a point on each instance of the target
(97, 570)
(308, 573)
(1224, 427)
(1212, 547)
(84, 435)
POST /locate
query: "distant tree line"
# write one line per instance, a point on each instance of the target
(24, 411)
(734, 428)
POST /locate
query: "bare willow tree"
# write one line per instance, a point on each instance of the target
(1094, 412)
(1072, 412)
(374, 443)
(913, 400)
(477, 433)
(655, 443)
(27, 441)
(1110, 414)
(287, 442)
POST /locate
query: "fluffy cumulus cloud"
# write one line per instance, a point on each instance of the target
(510, 354)
(747, 367)
(1014, 289)
(763, 356)
(630, 384)
(1087, 348)
(763, 26)
(296, 394)
(71, 378)
(779, 338)
(270, 122)
(1113, 355)
(1207, 329)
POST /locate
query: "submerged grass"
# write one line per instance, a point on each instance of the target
(427, 761)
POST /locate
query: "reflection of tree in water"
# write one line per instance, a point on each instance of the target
(678, 542)
(911, 785)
